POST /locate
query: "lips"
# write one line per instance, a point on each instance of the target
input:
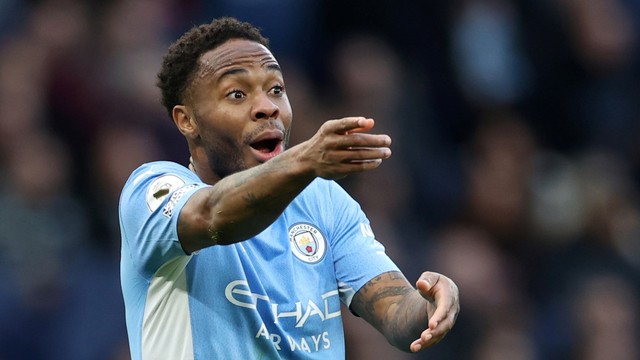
(267, 144)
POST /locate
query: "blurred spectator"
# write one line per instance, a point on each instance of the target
(114, 155)
(487, 53)
(41, 223)
(291, 25)
(606, 42)
(497, 322)
(500, 164)
(605, 319)
(11, 13)
(24, 63)
(133, 35)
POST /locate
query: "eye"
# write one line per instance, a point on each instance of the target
(277, 90)
(236, 94)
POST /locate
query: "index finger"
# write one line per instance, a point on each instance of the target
(353, 124)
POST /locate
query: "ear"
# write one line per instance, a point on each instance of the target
(185, 121)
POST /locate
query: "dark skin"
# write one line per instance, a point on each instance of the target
(236, 119)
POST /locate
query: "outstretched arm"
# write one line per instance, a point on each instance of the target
(243, 204)
(410, 318)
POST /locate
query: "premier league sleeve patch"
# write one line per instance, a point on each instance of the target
(307, 243)
(160, 188)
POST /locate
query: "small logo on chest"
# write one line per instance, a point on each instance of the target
(307, 243)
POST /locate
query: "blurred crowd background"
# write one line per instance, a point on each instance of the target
(516, 163)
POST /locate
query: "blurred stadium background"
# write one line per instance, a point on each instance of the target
(516, 167)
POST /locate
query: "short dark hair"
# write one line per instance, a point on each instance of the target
(180, 63)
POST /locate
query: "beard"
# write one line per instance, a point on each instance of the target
(225, 158)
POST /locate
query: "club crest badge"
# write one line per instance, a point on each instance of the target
(307, 243)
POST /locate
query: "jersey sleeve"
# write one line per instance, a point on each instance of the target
(150, 203)
(358, 256)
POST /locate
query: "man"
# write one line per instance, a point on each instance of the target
(249, 252)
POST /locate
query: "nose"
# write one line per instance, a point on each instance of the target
(264, 108)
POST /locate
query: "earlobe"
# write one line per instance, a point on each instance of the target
(185, 121)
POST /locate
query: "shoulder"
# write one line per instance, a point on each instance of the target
(320, 191)
(159, 168)
(330, 191)
(155, 180)
(324, 187)
(327, 197)
(166, 172)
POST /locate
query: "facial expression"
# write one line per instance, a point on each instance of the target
(239, 104)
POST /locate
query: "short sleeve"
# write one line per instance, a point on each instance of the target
(358, 256)
(150, 203)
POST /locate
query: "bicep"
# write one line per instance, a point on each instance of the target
(194, 222)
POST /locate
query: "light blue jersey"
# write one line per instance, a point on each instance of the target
(276, 295)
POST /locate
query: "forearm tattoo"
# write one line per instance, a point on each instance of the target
(377, 296)
(392, 306)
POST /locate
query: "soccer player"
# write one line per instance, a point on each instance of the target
(249, 252)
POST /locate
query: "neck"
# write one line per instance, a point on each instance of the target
(199, 165)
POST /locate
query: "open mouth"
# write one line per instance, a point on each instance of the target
(267, 145)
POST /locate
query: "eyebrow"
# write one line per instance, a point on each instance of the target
(274, 67)
(234, 71)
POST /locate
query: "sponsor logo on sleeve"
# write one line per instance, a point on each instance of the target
(160, 188)
(167, 210)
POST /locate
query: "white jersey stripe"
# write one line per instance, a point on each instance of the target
(168, 303)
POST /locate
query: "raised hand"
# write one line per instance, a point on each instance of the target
(344, 146)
